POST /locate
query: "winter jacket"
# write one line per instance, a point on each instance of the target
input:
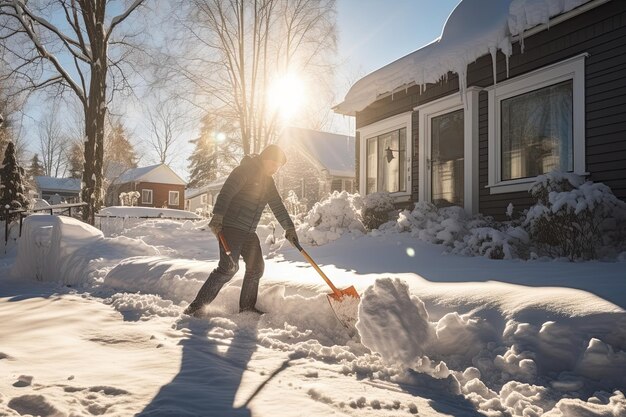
(245, 194)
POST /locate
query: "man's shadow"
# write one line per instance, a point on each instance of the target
(209, 378)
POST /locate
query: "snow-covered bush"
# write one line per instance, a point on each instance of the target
(293, 205)
(574, 218)
(129, 199)
(463, 234)
(376, 209)
(332, 217)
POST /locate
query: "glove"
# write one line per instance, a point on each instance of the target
(216, 223)
(292, 236)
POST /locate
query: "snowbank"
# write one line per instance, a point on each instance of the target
(125, 211)
(61, 249)
(501, 363)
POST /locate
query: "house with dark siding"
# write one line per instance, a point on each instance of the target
(511, 90)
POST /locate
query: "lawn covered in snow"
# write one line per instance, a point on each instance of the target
(91, 324)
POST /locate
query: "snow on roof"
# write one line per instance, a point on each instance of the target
(335, 152)
(58, 184)
(159, 173)
(194, 192)
(473, 29)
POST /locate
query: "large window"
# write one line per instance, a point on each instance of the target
(537, 132)
(537, 125)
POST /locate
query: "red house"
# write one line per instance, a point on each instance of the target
(158, 186)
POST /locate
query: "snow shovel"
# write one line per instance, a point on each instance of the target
(222, 240)
(344, 303)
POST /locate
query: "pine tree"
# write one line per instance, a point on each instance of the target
(203, 159)
(76, 159)
(118, 147)
(35, 169)
(12, 191)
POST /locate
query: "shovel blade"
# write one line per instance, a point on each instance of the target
(345, 306)
(346, 292)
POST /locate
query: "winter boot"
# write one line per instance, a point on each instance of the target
(251, 310)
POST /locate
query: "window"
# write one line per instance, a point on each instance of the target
(173, 198)
(204, 198)
(146, 196)
(537, 126)
(386, 155)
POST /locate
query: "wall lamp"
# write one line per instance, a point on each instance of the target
(389, 153)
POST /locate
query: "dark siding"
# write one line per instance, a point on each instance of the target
(601, 32)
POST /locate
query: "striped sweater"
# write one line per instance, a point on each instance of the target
(245, 194)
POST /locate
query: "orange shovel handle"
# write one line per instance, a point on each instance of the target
(336, 291)
(220, 236)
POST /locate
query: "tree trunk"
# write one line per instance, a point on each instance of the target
(95, 112)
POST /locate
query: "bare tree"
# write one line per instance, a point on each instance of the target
(72, 55)
(235, 49)
(53, 145)
(165, 125)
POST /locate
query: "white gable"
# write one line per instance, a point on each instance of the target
(161, 173)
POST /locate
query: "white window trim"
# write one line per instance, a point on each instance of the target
(169, 198)
(439, 107)
(151, 196)
(569, 69)
(376, 129)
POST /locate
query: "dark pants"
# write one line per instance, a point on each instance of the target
(241, 243)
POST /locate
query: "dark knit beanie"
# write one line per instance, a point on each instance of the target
(274, 153)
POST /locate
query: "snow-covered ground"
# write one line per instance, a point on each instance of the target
(91, 324)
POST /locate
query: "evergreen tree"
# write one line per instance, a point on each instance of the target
(75, 160)
(12, 191)
(118, 147)
(35, 169)
(203, 159)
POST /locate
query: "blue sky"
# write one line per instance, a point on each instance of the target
(373, 33)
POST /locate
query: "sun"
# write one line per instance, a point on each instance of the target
(286, 96)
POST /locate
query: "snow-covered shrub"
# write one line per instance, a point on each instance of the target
(293, 205)
(376, 208)
(574, 218)
(129, 199)
(464, 234)
(332, 217)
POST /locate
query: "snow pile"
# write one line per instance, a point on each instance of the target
(392, 322)
(473, 29)
(146, 212)
(503, 365)
(62, 249)
(331, 218)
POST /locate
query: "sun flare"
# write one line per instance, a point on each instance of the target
(287, 95)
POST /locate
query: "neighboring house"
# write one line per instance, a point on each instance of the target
(57, 190)
(559, 103)
(318, 163)
(158, 186)
(202, 199)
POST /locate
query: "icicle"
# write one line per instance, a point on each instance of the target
(493, 51)
(506, 58)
